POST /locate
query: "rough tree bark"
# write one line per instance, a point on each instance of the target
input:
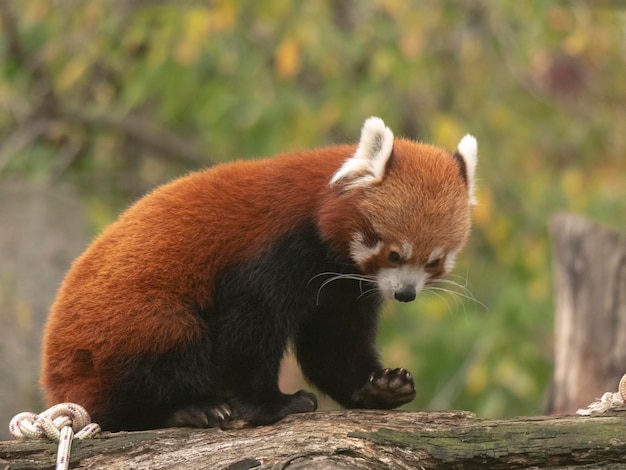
(352, 439)
(590, 324)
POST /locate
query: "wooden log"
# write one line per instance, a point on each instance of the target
(351, 439)
(590, 324)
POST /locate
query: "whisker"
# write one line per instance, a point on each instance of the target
(364, 277)
(466, 294)
(458, 276)
(452, 281)
(336, 276)
(430, 290)
(463, 288)
(366, 292)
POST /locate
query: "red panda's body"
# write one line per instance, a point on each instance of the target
(179, 312)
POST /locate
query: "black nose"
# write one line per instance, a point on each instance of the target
(406, 294)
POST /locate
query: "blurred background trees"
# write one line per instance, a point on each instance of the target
(113, 97)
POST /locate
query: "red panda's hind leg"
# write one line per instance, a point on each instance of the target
(200, 416)
(246, 414)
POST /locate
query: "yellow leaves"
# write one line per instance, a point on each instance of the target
(483, 211)
(36, 11)
(329, 114)
(538, 289)
(506, 372)
(198, 24)
(412, 43)
(92, 18)
(72, 73)
(397, 9)
(447, 132)
(576, 44)
(397, 352)
(223, 16)
(477, 378)
(288, 58)
(500, 116)
(560, 19)
(436, 307)
(573, 185)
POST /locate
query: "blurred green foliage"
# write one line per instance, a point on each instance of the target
(117, 96)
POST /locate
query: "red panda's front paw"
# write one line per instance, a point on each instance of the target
(386, 388)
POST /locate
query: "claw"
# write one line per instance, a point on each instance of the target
(388, 388)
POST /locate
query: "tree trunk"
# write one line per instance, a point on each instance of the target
(590, 328)
(351, 439)
(42, 229)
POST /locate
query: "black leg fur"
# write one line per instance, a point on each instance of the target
(282, 297)
(258, 309)
(151, 390)
(335, 346)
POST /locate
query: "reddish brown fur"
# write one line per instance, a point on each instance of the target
(437, 214)
(146, 264)
(130, 292)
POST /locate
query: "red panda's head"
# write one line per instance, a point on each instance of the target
(401, 209)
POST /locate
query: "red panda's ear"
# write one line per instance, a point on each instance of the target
(468, 149)
(367, 165)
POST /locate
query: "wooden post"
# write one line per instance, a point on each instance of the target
(590, 329)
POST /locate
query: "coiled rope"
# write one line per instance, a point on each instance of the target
(609, 401)
(61, 423)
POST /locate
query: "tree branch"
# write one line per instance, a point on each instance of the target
(42, 90)
(47, 107)
(159, 140)
(351, 439)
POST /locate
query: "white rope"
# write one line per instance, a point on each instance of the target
(58, 423)
(609, 401)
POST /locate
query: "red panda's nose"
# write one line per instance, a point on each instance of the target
(406, 294)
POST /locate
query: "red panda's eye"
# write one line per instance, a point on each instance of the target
(394, 257)
(434, 264)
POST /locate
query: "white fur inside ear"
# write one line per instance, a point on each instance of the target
(468, 149)
(367, 165)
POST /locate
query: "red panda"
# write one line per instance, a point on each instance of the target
(180, 312)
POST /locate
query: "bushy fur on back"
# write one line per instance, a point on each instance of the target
(180, 312)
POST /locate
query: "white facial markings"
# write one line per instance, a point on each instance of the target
(407, 277)
(392, 280)
(407, 250)
(360, 252)
(435, 254)
(450, 260)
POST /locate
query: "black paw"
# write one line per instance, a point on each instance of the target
(246, 414)
(386, 388)
(301, 402)
(200, 416)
